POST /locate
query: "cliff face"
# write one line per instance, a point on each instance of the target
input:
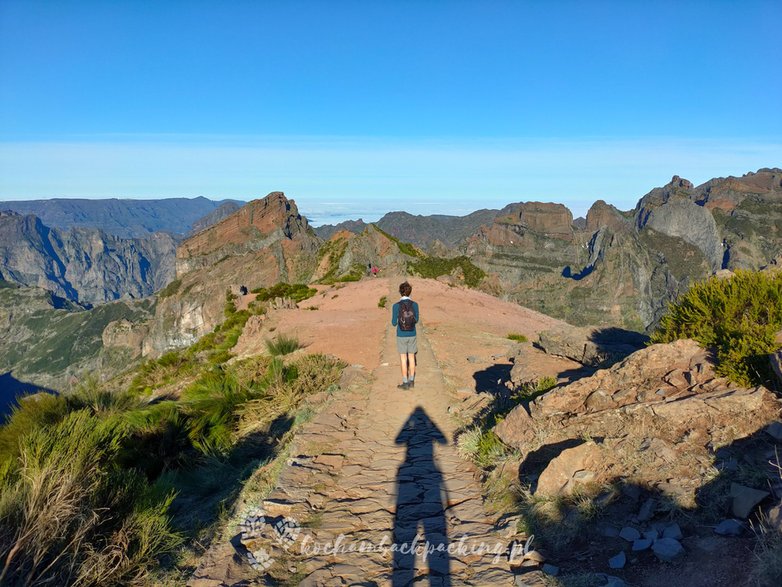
(264, 242)
(83, 264)
(623, 267)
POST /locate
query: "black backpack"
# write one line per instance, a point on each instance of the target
(406, 315)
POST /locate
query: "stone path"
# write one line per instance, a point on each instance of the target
(379, 468)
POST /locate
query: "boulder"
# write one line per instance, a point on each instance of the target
(667, 549)
(630, 534)
(618, 561)
(595, 347)
(776, 364)
(573, 466)
(745, 499)
(729, 528)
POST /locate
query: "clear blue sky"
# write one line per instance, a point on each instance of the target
(365, 106)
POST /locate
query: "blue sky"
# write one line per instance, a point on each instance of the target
(356, 108)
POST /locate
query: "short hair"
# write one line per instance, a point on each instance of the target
(405, 289)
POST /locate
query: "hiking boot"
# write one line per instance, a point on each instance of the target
(411, 384)
(404, 386)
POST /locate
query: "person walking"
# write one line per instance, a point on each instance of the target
(405, 316)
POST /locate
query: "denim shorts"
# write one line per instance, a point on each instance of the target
(406, 345)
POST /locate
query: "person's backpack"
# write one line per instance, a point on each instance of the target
(406, 315)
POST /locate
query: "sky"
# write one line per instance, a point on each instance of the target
(355, 108)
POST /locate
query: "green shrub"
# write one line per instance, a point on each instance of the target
(483, 447)
(517, 337)
(382, 302)
(298, 292)
(69, 516)
(404, 248)
(170, 289)
(36, 411)
(738, 317)
(282, 345)
(434, 267)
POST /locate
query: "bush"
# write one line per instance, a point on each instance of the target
(282, 345)
(434, 267)
(517, 337)
(483, 447)
(70, 516)
(737, 316)
(170, 289)
(382, 302)
(298, 292)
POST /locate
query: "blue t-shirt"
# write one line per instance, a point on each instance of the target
(395, 319)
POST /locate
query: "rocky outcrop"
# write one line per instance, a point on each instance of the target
(656, 414)
(83, 264)
(263, 243)
(594, 347)
(326, 231)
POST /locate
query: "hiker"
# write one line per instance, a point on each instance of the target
(369, 269)
(404, 316)
(375, 270)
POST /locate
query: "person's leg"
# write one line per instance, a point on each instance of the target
(403, 362)
(411, 366)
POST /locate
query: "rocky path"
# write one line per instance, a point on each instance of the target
(377, 471)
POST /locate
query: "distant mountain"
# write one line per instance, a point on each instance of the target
(224, 210)
(422, 231)
(84, 265)
(326, 231)
(120, 217)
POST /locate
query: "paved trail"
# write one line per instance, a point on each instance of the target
(382, 467)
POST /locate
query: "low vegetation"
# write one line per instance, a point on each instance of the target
(405, 248)
(434, 267)
(282, 345)
(737, 316)
(298, 292)
(517, 337)
(171, 289)
(107, 487)
(382, 302)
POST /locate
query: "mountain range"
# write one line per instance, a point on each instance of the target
(613, 268)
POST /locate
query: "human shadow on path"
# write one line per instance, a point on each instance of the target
(421, 500)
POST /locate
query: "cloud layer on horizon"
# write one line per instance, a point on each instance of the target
(350, 177)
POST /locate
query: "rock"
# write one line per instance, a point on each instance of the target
(595, 347)
(775, 429)
(533, 579)
(667, 549)
(550, 569)
(609, 531)
(642, 544)
(776, 364)
(618, 561)
(774, 517)
(630, 534)
(611, 580)
(651, 535)
(729, 528)
(527, 368)
(516, 428)
(745, 499)
(571, 467)
(647, 510)
(673, 531)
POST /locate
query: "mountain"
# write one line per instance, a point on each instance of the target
(120, 217)
(326, 231)
(52, 342)
(224, 210)
(264, 242)
(436, 231)
(84, 265)
(623, 268)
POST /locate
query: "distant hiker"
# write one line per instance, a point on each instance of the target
(375, 270)
(404, 316)
(243, 290)
(369, 269)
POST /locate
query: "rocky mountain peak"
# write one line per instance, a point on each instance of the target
(256, 225)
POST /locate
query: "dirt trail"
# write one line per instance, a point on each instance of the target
(379, 466)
